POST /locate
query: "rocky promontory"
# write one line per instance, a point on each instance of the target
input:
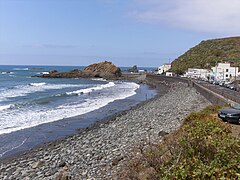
(104, 69)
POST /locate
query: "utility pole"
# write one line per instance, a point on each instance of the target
(223, 73)
(235, 73)
(216, 71)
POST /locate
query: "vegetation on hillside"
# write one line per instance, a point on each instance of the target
(203, 148)
(208, 53)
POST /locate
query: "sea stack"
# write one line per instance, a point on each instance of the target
(104, 69)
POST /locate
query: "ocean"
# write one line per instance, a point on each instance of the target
(36, 110)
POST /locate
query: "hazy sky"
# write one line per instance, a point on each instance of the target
(127, 32)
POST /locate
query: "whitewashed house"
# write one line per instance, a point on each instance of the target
(198, 73)
(223, 71)
(165, 67)
(169, 73)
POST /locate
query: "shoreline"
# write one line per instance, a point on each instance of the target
(117, 155)
(106, 120)
(83, 122)
(139, 79)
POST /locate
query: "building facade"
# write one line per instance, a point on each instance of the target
(169, 74)
(196, 73)
(224, 71)
(162, 69)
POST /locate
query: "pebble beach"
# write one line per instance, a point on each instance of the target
(101, 151)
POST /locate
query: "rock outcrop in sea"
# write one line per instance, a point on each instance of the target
(133, 69)
(104, 69)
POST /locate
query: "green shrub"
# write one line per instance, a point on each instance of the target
(209, 52)
(202, 148)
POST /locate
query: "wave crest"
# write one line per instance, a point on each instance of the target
(88, 90)
(23, 90)
(21, 119)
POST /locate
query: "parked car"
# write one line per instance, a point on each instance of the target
(233, 87)
(231, 114)
(210, 81)
(227, 85)
(223, 82)
(216, 82)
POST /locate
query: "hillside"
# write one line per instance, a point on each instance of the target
(208, 53)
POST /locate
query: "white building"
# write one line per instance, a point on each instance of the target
(223, 71)
(162, 69)
(169, 73)
(198, 73)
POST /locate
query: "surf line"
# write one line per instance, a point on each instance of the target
(1, 155)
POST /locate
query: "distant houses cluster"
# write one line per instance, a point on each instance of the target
(222, 71)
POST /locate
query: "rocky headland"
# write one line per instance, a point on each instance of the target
(100, 152)
(106, 70)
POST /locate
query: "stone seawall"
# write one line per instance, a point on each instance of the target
(213, 97)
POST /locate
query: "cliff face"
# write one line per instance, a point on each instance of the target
(208, 53)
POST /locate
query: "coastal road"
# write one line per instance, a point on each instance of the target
(227, 93)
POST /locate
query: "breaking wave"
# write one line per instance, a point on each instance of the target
(23, 90)
(88, 90)
(17, 119)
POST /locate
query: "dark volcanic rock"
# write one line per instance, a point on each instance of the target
(103, 69)
(134, 69)
(63, 75)
(76, 71)
(52, 71)
(35, 68)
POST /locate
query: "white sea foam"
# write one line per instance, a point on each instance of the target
(4, 107)
(88, 90)
(98, 79)
(37, 84)
(23, 90)
(19, 119)
(6, 72)
(20, 69)
(45, 73)
(14, 147)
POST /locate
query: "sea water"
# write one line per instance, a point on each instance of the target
(30, 104)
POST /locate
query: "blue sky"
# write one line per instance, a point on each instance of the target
(126, 32)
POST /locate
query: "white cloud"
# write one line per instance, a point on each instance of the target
(215, 16)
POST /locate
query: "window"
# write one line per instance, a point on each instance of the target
(226, 75)
(226, 70)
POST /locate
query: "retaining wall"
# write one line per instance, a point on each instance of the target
(213, 97)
